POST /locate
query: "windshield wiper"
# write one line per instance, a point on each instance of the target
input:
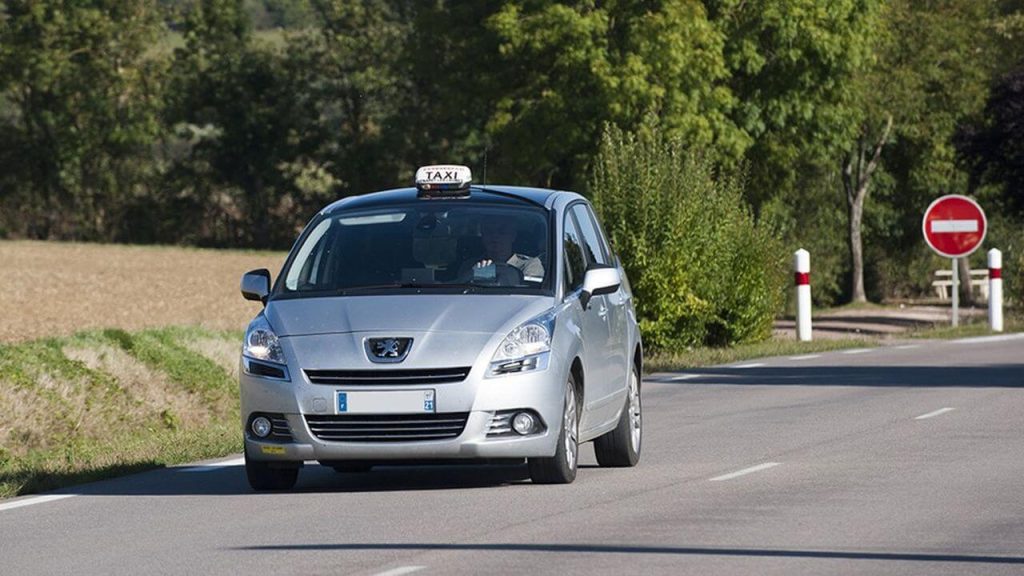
(401, 285)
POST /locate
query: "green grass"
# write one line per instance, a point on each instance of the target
(696, 357)
(161, 350)
(103, 403)
(850, 306)
(1013, 321)
(83, 461)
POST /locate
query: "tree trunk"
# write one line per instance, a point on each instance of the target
(856, 216)
(857, 171)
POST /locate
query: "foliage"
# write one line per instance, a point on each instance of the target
(229, 122)
(702, 270)
(270, 134)
(927, 78)
(993, 148)
(230, 96)
(80, 113)
(99, 404)
(790, 65)
(351, 76)
(539, 79)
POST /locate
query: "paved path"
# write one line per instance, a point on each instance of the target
(885, 322)
(897, 460)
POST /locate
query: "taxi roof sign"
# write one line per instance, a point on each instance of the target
(443, 180)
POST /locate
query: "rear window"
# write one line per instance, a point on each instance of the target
(429, 245)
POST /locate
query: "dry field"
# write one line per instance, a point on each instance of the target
(57, 289)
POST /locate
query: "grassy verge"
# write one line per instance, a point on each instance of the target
(1013, 321)
(696, 357)
(692, 358)
(107, 402)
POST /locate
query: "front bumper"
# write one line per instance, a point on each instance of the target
(540, 391)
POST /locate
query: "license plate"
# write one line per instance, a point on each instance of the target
(385, 402)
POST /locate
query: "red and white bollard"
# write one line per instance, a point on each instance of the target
(995, 290)
(802, 276)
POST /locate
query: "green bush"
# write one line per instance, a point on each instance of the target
(702, 271)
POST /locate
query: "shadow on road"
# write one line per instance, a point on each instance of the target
(989, 376)
(230, 480)
(671, 550)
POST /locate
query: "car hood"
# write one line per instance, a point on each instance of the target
(476, 313)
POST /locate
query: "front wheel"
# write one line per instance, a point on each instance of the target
(621, 447)
(263, 478)
(561, 468)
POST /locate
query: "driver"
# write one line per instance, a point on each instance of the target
(498, 234)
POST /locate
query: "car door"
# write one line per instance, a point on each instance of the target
(593, 326)
(605, 397)
(620, 351)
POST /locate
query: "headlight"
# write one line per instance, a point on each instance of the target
(261, 343)
(525, 340)
(525, 348)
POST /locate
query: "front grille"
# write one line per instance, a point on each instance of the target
(501, 424)
(280, 431)
(387, 377)
(387, 427)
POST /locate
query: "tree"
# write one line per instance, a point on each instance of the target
(532, 83)
(791, 65)
(83, 105)
(349, 70)
(993, 148)
(252, 129)
(924, 80)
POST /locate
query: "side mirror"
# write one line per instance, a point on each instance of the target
(256, 285)
(599, 280)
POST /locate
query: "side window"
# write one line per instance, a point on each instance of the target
(575, 261)
(309, 272)
(603, 235)
(591, 238)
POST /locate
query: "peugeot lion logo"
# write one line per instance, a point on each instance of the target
(388, 349)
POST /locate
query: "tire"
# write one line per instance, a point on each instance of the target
(561, 468)
(263, 478)
(620, 448)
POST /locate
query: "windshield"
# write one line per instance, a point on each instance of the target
(427, 245)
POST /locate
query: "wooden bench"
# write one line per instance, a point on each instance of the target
(944, 282)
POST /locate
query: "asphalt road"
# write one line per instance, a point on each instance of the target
(897, 460)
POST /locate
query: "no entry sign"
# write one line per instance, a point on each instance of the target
(954, 226)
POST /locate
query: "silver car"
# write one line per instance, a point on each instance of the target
(443, 322)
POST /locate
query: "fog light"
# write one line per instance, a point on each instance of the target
(260, 427)
(523, 423)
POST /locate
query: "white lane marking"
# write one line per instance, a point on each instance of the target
(940, 226)
(744, 472)
(684, 377)
(400, 571)
(805, 357)
(751, 365)
(35, 500)
(938, 412)
(857, 351)
(907, 346)
(213, 466)
(988, 339)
